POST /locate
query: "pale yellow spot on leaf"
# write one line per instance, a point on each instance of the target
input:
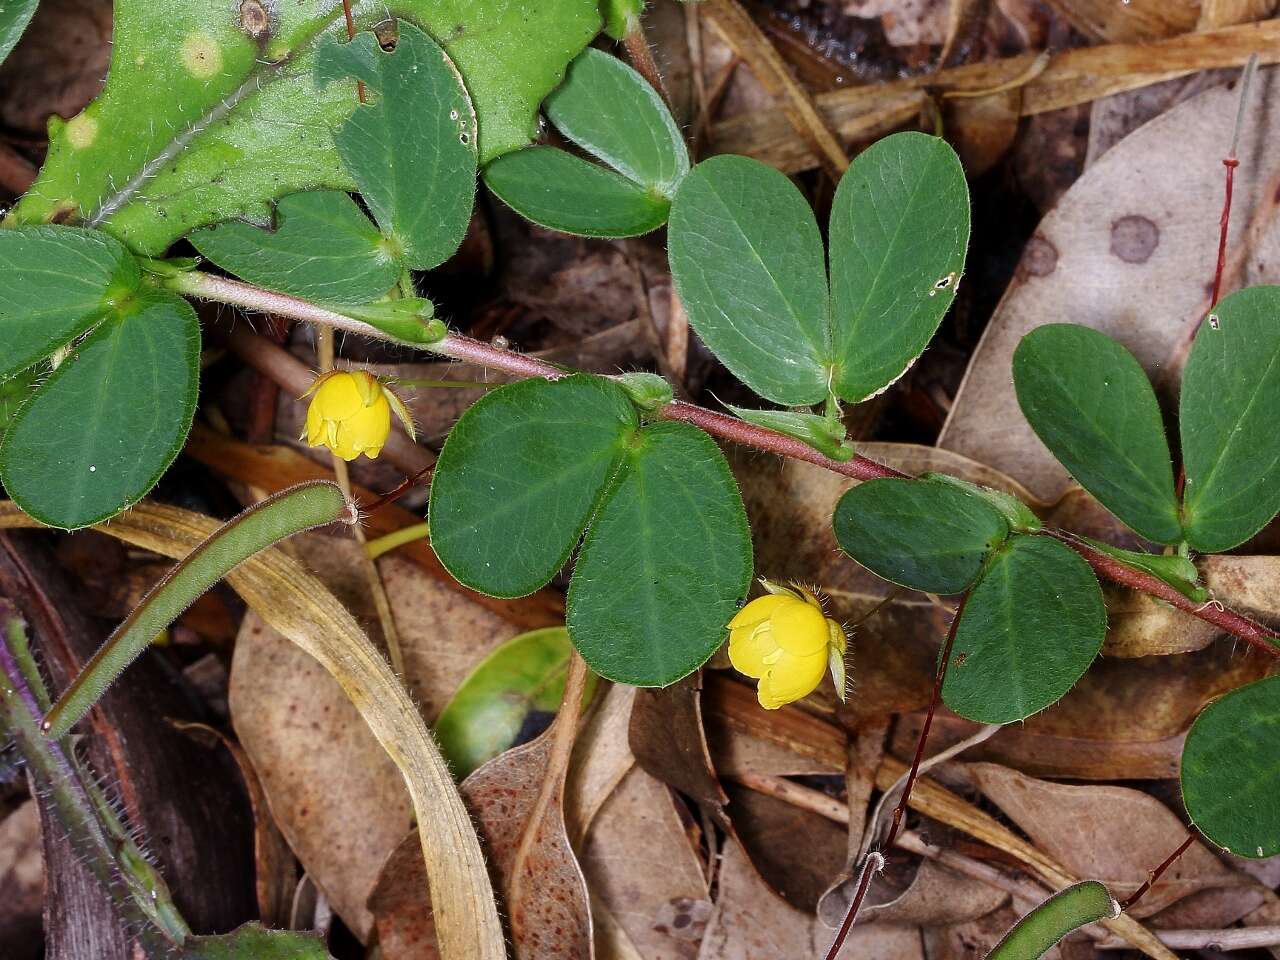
(201, 55)
(82, 131)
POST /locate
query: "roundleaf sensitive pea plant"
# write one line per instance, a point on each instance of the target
(248, 134)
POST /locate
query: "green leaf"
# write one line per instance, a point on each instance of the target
(665, 562)
(1231, 770)
(1091, 403)
(921, 534)
(824, 434)
(610, 111)
(747, 262)
(1030, 628)
(1069, 909)
(100, 431)
(320, 247)
(619, 15)
(207, 114)
(252, 941)
(1229, 410)
(487, 712)
(14, 393)
(1018, 515)
(1174, 569)
(899, 231)
(521, 474)
(412, 151)
(56, 283)
(14, 17)
(557, 190)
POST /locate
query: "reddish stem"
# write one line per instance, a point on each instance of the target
(351, 35)
(900, 810)
(1158, 872)
(1230, 163)
(1225, 619)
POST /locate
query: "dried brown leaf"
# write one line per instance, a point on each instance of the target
(641, 866)
(750, 921)
(21, 881)
(1112, 834)
(1129, 250)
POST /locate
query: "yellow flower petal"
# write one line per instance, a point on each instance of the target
(790, 679)
(339, 417)
(749, 647)
(759, 610)
(800, 629)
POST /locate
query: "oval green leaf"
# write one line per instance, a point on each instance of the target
(520, 476)
(1092, 405)
(56, 283)
(747, 262)
(899, 231)
(1231, 770)
(557, 190)
(1030, 628)
(1070, 909)
(665, 563)
(320, 247)
(99, 432)
(610, 111)
(412, 150)
(14, 17)
(921, 534)
(1228, 413)
(484, 717)
(207, 115)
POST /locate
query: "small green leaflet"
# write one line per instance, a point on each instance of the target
(1092, 405)
(1229, 414)
(1030, 628)
(608, 110)
(525, 675)
(1070, 909)
(209, 112)
(666, 557)
(665, 563)
(922, 534)
(825, 434)
(55, 284)
(521, 474)
(14, 17)
(321, 248)
(1231, 770)
(99, 432)
(747, 261)
(619, 15)
(412, 151)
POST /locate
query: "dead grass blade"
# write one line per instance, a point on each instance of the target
(298, 606)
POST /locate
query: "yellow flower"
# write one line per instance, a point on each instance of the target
(351, 414)
(785, 641)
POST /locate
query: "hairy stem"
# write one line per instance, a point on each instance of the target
(138, 893)
(457, 347)
(1154, 876)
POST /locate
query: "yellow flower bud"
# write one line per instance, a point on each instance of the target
(785, 641)
(350, 413)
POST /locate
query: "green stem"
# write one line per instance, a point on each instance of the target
(98, 838)
(262, 525)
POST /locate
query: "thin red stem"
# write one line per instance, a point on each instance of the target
(900, 810)
(1157, 873)
(351, 35)
(1224, 223)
